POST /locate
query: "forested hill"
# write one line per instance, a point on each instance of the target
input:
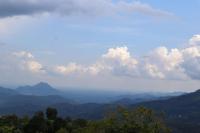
(140, 120)
(182, 112)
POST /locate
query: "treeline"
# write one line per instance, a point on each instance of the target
(140, 120)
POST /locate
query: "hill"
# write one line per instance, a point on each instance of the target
(6, 91)
(40, 89)
(14, 101)
(182, 112)
(26, 105)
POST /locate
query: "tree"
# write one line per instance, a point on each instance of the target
(62, 130)
(9, 120)
(36, 124)
(139, 120)
(80, 123)
(51, 113)
(59, 123)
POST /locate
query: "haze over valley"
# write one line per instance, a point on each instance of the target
(99, 66)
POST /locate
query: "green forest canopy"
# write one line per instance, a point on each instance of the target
(139, 120)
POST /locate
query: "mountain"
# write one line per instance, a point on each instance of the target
(90, 111)
(6, 92)
(143, 97)
(26, 105)
(40, 89)
(179, 105)
(14, 101)
(182, 112)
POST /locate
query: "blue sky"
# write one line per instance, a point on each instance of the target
(104, 33)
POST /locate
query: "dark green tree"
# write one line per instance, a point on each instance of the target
(36, 124)
(62, 130)
(139, 120)
(59, 123)
(51, 113)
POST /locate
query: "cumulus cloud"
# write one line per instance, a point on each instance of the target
(160, 63)
(192, 68)
(120, 61)
(26, 61)
(163, 63)
(191, 64)
(153, 71)
(70, 68)
(11, 8)
(74, 68)
(121, 56)
(34, 66)
(117, 61)
(195, 40)
(177, 63)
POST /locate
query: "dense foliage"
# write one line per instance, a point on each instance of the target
(140, 120)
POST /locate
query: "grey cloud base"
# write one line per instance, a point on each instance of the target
(10, 8)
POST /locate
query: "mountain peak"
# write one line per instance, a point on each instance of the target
(197, 91)
(43, 84)
(41, 89)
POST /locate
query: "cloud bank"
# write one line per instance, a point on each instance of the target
(160, 63)
(10, 8)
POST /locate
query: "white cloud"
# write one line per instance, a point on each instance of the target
(99, 67)
(191, 64)
(191, 52)
(34, 66)
(117, 61)
(26, 61)
(24, 54)
(195, 40)
(153, 71)
(69, 69)
(161, 63)
(120, 61)
(120, 56)
(176, 63)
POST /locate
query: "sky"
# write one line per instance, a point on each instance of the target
(129, 45)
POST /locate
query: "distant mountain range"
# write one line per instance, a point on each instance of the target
(29, 99)
(25, 100)
(182, 112)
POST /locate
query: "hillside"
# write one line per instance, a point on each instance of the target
(182, 112)
(6, 92)
(26, 105)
